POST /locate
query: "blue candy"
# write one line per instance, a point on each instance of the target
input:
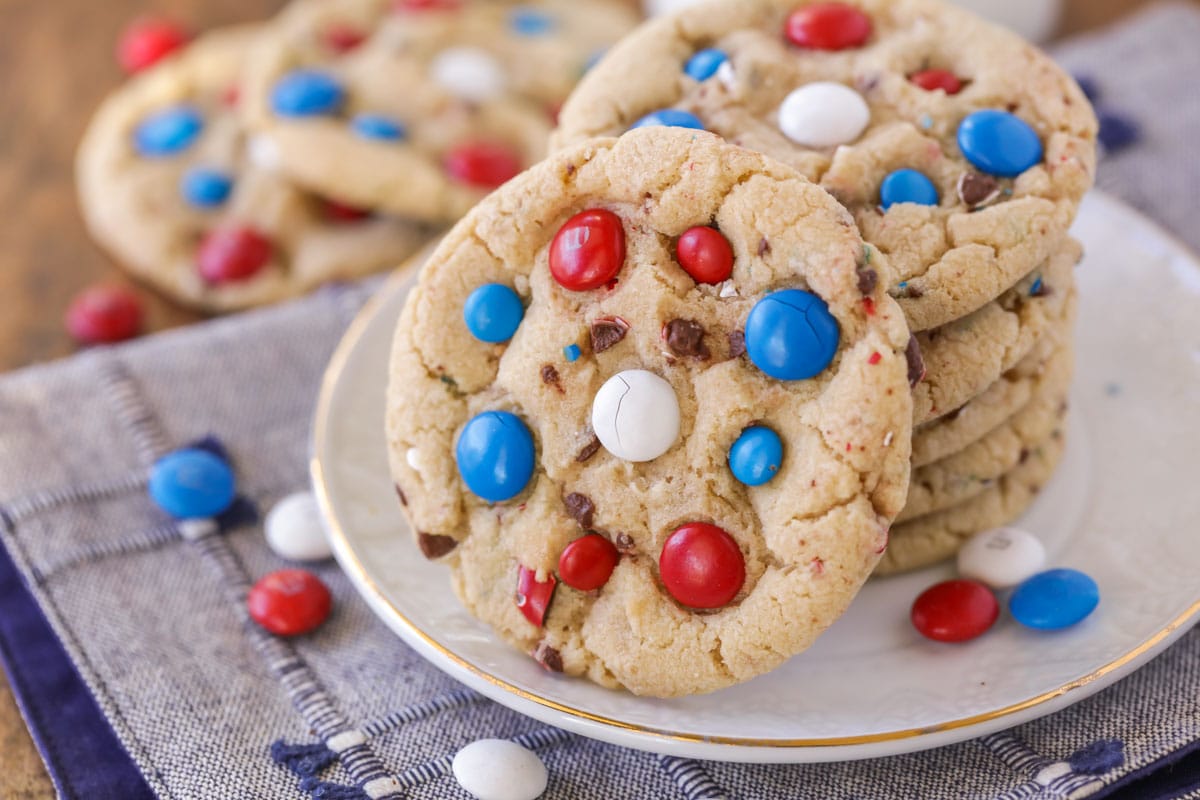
(192, 483)
(1056, 599)
(168, 132)
(671, 118)
(495, 455)
(790, 335)
(377, 126)
(999, 143)
(206, 188)
(756, 456)
(307, 93)
(705, 63)
(530, 22)
(907, 186)
(493, 312)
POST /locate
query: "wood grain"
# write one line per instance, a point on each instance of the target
(58, 55)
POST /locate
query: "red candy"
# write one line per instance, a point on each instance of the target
(702, 566)
(342, 38)
(705, 254)
(233, 254)
(587, 562)
(588, 251)
(340, 212)
(289, 602)
(482, 163)
(145, 41)
(933, 79)
(828, 26)
(533, 596)
(104, 314)
(955, 611)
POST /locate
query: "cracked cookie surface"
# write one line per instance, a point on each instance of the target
(806, 538)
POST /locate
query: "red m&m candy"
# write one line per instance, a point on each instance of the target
(933, 79)
(588, 250)
(828, 26)
(702, 566)
(145, 41)
(482, 163)
(705, 254)
(533, 596)
(233, 254)
(955, 611)
(588, 562)
(289, 602)
(104, 314)
(342, 38)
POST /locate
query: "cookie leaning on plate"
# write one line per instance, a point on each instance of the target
(961, 150)
(570, 375)
(168, 185)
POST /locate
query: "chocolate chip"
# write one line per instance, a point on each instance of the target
(570, 170)
(548, 657)
(550, 377)
(606, 332)
(685, 337)
(916, 364)
(764, 247)
(868, 279)
(434, 546)
(580, 508)
(737, 344)
(1024, 456)
(913, 291)
(588, 450)
(976, 190)
(624, 543)
(400, 494)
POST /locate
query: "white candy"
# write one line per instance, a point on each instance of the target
(264, 153)
(469, 73)
(657, 8)
(636, 415)
(294, 531)
(497, 769)
(1002, 557)
(823, 115)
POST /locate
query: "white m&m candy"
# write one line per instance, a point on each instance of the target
(293, 529)
(497, 769)
(823, 115)
(469, 73)
(636, 415)
(1002, 557)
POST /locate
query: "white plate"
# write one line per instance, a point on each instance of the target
(1123, 508)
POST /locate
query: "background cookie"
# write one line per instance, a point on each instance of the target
(675, 247)
(961, 150)
(166, 183)
(420, 109)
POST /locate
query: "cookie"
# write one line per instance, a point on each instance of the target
(168, 185)
(961, 150)
(965, 474)
(671, 462)
(964, 357)
(932, 538)
(419, 109)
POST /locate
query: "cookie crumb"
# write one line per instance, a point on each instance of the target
(607, 332)
(434, 546)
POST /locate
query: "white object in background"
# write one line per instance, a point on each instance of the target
(294, 530)
(656, 8)
(497, 769)
(1001, 557)
(1036, 20)
(469, 73)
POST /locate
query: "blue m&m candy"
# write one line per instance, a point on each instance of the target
(705, 63)
(168, 132)
(495, 455)
(206, 188)
(756, 456)
(307, 93)
(527, 21)
(378, 126)
(671, 118)
(790, 335)
(1055, 599)
(999, 143)
(907, 186)
(192, 483)
(493, 312)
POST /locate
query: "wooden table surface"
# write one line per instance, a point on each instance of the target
(59, 58)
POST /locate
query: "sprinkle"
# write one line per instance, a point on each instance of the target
(530, 22)
(926, 121)
(887, 440)
(869, 306)
(867, 255)
(571, 352)
(1036, 289)
(849, 447)
(902, 285)
(874, 359)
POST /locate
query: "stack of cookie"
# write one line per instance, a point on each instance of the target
(334, 141)
(962, 153)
